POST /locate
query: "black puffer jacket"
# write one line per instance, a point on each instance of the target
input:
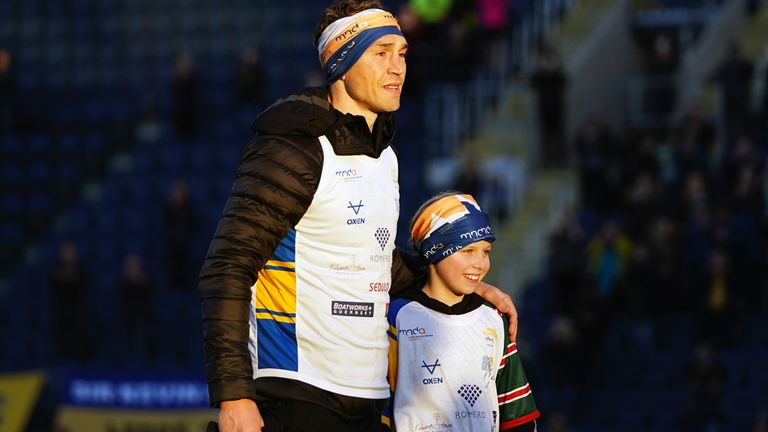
(274, 185)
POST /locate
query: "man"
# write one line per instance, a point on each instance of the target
(295, 286)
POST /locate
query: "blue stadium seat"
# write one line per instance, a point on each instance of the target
(39, 144)
(11, 175)
(40, 203)
(12, 205)
(757, 367)
(68, 145)
(40, 173)
(666, 412)
(636, 406)
(11, 148)
(741, 404)
(735, 363)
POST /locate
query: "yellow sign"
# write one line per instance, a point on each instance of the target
(82, 419)
(18, 395)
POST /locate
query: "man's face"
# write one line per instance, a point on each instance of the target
(375, 82)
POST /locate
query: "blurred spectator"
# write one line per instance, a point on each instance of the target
(641, 205)
(468, 180)
(185, 109)
(641, 158)
(411, 25)
(431, 11)
(695, 195)
(743, 154)
(8, 92)
(495, 196)
(747, 195)
(136, 304)
(664, 248)
(714, 299)
(706, 386)
(567, 262)
(734, 76)
(695, 142)
(181, 226)
(494, 17)
(664, 57)
(250, 79)
(608, 253)
(69, 282)
(747, 204)
(549, 81)
(593, 144)
(556, 422)
(697, 244)
(638, 294)
(149, 128)
(459, 57)
(420, 72)
(561, 355)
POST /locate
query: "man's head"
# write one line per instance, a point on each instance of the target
(362, 52)
(341, 9)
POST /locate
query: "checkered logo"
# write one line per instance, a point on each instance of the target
(470, 393)
(382, 236)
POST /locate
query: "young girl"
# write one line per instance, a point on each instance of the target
(452, 366)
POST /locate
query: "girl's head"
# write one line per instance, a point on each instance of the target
(453, 235)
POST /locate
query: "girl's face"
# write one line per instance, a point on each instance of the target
(459, 274)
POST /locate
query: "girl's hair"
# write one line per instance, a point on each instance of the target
(340, 9)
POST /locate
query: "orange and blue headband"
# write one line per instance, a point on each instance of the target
(448, 225)
(343, 42)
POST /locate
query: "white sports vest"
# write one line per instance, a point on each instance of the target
(320, 303)
(446, 369)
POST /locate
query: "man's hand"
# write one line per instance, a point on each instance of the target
(503, 302)
(241, 415)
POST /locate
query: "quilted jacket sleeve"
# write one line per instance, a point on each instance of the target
(272, 190)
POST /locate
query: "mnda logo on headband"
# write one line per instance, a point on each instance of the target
(429, 253)
(359, 26)
(352, 31)
(480, 232)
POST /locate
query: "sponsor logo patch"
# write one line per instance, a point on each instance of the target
(382, 236)
(470, 393)
(353, 309)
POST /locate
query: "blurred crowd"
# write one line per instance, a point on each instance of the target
(666, 249)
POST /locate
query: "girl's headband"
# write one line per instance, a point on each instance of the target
(343, 42)
(448, 225)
